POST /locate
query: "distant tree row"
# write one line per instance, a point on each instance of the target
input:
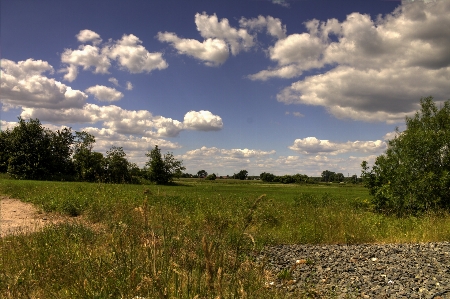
(285, 179)
(30, 151)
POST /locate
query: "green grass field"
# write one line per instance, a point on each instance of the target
(196, 239)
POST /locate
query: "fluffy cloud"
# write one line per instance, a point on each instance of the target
(128, 52)
(114, 81)
(133, 57)
(24, 84)
(212, 51)
(273, 26)
(105, 94)
(4, 125)
(129, 86)
(105, 138)
(87, 35)
(134, 147)
(211, 27)
(220, 39)
(139, 122)
(223, 153)
(202, 121)
(312, 145)
(379, 68)
(229, 160)
(86, 56)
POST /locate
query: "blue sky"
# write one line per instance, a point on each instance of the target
(268, 86)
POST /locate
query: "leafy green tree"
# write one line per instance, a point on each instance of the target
(211, 177)
(300, 178)
(286, 179)
(339, 177)
(89, 165)
(241, 175)
(61, 153)
(27, 150)
(413, 175)
(202, 174)
(162, 170)
(328, 176)
(117, 166)
(267, 177)
(30, 151)
(4, 151)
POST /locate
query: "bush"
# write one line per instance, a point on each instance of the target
(413, 176)
(211, 177)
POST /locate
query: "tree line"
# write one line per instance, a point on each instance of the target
(31, 151)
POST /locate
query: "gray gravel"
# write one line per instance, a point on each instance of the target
(362, 271)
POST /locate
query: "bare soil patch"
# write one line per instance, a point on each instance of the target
(19, 217)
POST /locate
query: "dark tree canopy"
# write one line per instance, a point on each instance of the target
(30, 151)
(202, 173)
(413, 175)
(241, 175)
(117, 166)
(89, 165)
(162, 170)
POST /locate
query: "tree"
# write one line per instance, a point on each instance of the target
(89, 165)
(267, 177)
(61, 153)
(30, 151)
(4, 150)
(328, 176)
(413, 175)
(211, 177)
(162, 169)
(202, 174)
(117, 166)
(339, 177)
(241, 175)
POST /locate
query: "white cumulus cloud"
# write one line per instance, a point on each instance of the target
(138, 122)
(213, 52)
(133, 57)
(87, 57)
(312, 145)
(273, 26)
(128, 52)
(219, 39)
(114, 81)
(104, 93)
(211, 27)
(202, 121)
(24, 84)
(87, 35)
(377, 69)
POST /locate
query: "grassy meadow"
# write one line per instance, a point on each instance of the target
(195, 239)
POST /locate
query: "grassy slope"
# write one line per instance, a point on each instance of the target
(195, 238)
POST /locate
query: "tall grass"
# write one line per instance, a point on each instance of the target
(193, 240)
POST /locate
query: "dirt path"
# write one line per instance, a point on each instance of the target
(19, 217)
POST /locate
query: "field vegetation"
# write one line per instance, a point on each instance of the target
(193, 239)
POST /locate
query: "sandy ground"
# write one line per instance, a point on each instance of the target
(19, 217)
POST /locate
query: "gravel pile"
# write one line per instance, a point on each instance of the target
(362, 271)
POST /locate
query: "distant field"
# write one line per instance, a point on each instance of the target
(194, 238)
